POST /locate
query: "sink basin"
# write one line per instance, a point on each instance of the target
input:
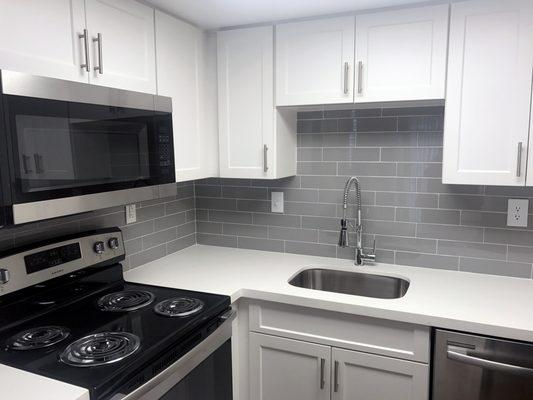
(356, 283)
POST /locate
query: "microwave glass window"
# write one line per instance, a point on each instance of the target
(110, 151)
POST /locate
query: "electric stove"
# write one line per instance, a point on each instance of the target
(66, 313)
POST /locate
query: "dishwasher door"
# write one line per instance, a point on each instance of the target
(470, 367)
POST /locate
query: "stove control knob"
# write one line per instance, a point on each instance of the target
(113, 243)
(99, 247)
(4, 276)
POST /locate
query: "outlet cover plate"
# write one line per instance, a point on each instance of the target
(277, 202)
(517, 212)
(131, 214)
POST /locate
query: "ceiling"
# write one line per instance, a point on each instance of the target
(212, 14)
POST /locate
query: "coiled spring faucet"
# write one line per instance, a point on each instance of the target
(360, 256)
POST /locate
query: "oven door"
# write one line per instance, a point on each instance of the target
(83, 154)
(204, 373)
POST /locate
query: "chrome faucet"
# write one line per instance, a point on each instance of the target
(360, 256)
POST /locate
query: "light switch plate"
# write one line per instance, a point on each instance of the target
(277, 202)
(131, 214)
(517, 212)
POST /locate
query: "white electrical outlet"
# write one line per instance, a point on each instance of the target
(277, 202)
(517, 212)
(131, 214)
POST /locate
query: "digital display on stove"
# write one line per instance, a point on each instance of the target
(52, 257)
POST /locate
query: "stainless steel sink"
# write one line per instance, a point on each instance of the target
(356, 283)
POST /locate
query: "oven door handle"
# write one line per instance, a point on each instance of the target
(156, 387)
(460, 354)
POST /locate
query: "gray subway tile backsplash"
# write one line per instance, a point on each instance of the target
(518, 270)
(396, 152)
(415, 219)
(163, 226)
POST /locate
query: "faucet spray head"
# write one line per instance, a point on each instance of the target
(343, 238)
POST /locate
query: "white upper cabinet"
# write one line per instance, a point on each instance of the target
(42, 38)
(182, 75)
(122, 44)
(529, 181)
(488, 92)
(401, 54)
(245, 101)
(315, 61)
(255, 139)
(247, 119)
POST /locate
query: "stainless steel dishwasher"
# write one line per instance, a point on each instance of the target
(470, 367)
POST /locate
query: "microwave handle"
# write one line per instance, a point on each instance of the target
(460, 354)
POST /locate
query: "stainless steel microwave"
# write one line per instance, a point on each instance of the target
(68, 147)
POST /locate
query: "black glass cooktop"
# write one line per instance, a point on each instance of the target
(74, 309)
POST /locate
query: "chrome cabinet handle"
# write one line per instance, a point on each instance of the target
(460, 354)
(336, 377)
(38, 163)
(100, 66)
(346, 77)
(85, 37)
(25, 160)
(519, 160)
(322, 373)
(265, 158)
(360, 77)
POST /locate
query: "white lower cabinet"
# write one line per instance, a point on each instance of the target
(286, 369)
(371, 377)
(300, 353)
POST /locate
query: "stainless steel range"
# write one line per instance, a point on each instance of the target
(66, 313)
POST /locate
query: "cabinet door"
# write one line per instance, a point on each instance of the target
(314, 62)
(245, 101)
(285, 369)
(488, 92)
(181, 50)
(365, 376)
(401, 54)
(41, 38)
(127, 56)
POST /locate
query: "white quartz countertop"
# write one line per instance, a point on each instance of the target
(484, 304)
(21, 385)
